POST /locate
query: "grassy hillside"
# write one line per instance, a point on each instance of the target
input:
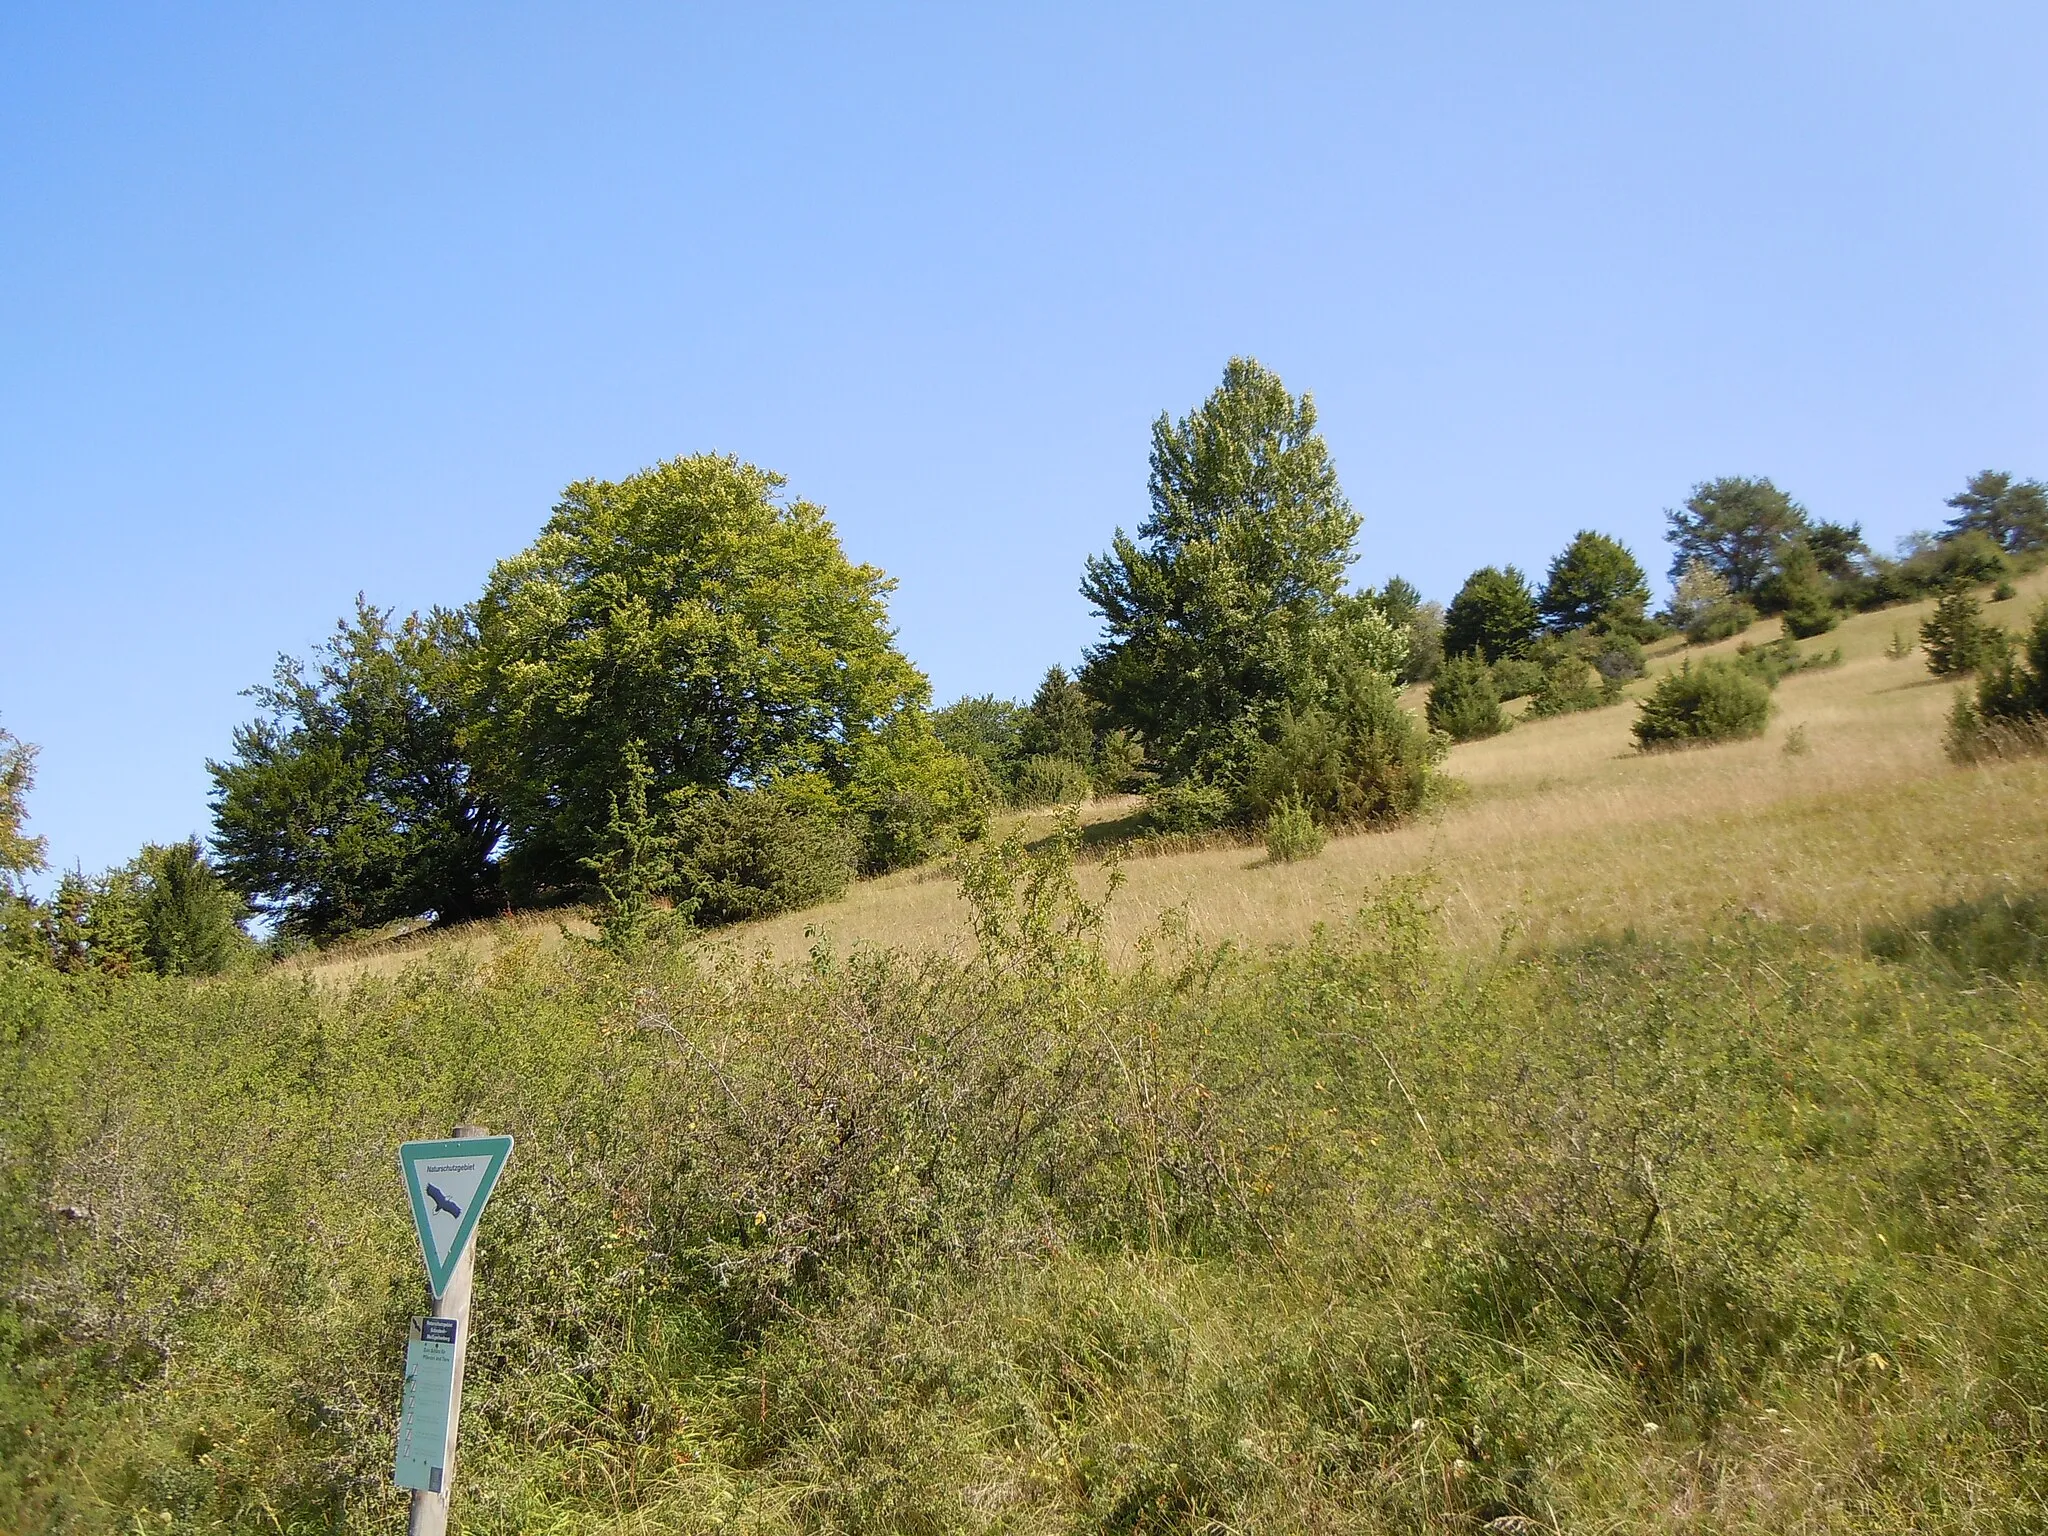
(1566, 830)
(1261, 1199)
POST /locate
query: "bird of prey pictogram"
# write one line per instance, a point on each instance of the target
(442, 1202)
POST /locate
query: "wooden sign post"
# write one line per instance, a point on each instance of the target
(448, 1183)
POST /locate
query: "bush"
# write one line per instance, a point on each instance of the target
(1617, 657)
(1186, 807)
(1292, 833)
(1046, 780)
(2008, 716)
(913, 798)
(1720, 621)
(1569, 686)
(1463, 701)
(2004, 592)
(1956, 638)
(1516, 677)
(747, 853)
(1780, 658)
(1700, 704)
(1358, 759)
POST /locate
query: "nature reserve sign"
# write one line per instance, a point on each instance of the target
(450, 1182)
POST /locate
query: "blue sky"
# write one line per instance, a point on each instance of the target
(294, 304)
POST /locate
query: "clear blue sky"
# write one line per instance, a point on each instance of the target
(295, 304)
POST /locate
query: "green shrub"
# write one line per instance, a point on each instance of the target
(747, 854)
(1516, 677)
(2004, 592)
(1695, 705)
(1187, 807)
(1720, 621)
(1051, 781)
(1616, 656)
(1780, 658)
(1569, 686)
(2008, 715)
(1120, 762)
(1955, 636)
(1358, 759)
(1292, 833)
(1463, 702)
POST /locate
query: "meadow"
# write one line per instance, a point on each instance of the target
(1633, 1143)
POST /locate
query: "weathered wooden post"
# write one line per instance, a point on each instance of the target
(448, 1183)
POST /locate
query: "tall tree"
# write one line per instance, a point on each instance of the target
(1594, 581)
(1737, 527)
(2012, 512)
(1212, 615)
(349, 802)
(1494, 614)
(1060, 720)
(691, 610)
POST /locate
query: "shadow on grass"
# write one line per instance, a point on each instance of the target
(2003, 933)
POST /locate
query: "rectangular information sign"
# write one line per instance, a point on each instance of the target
(423, 1414)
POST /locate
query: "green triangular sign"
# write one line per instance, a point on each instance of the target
(449, 1182)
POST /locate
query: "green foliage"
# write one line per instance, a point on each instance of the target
(1051, 781)
(690, 609)
(1493, 614)
(20, 854)
(1357, 758)
(1568, 686)
(1696, 705)
(1799, 591)
(1060, 720)
(349, 802)
(1780, 658)
(1838, 549)
(2008, 715)
(1736, 527)
(1217, 614)
(1292, 833)
(987, 729)
(916, 799)
(744, 854)
(1188, 807)
(1463, 702)
(1956, 637)
(1516, 677)
(1425, 636)
(636, 865)
(2011, 514)
(1353, 1235)
(1120, 762)
(165, 912)
(1595, 583)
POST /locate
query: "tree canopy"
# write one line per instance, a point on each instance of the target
(1225, 604)
(1594, 581)
(2013, 513)
(688, 609)
(349, 802)
(1737, 527)
(1494, 614)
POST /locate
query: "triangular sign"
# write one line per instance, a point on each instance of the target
(449, 1182)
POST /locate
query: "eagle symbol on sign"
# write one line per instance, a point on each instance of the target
(442, 1202)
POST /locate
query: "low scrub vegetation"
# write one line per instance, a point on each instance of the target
(1700, 703)
(1355, 1235)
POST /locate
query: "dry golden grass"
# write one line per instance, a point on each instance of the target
(1565, 831)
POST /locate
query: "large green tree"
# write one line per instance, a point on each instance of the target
(349, 801)
(692, 615)
(1737, 527)
(1229, 600)
(1494, 614)
(1594, 581)
(2014, 513)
